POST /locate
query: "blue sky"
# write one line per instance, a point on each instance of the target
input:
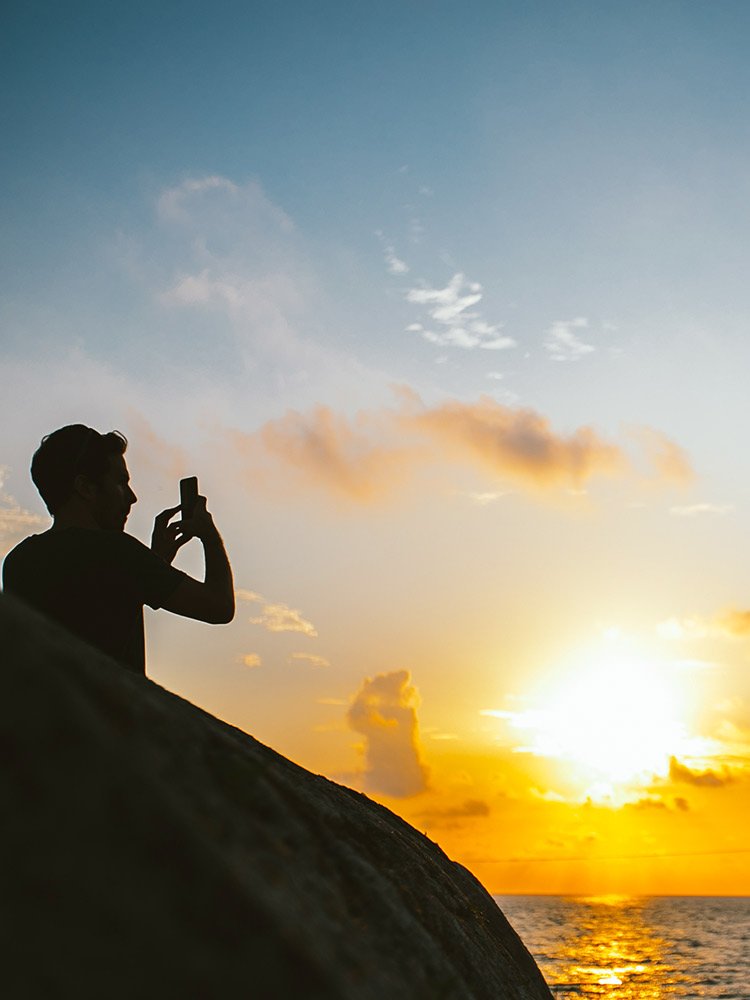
(231, 230)
(573, 160)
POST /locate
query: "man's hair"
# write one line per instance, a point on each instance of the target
(67, 453)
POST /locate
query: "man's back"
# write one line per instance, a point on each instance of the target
(94, 583)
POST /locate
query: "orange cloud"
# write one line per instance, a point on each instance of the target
(384, 711)
(679, 773)
(364, 458)
(15, 521)
(517, 443)
(148, 449)
(669, 461)
(732, 623)
(450, 816)
(735, 622)
(333, 453)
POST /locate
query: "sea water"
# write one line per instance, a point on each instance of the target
(637, 948)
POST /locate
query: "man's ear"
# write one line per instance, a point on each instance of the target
(85, 487)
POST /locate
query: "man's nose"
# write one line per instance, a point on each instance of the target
(133, 498)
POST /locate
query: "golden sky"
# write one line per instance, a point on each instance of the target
(450, 318)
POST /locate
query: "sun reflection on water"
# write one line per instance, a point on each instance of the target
(613, 950)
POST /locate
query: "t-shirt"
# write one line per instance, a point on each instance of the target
(94, 583)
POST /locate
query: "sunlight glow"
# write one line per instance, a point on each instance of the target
(614, 715)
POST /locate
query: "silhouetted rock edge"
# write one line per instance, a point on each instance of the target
(153, 850)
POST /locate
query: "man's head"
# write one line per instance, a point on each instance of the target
(79, 471)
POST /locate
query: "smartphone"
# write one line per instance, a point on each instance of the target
(188, 495)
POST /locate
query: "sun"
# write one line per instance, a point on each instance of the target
(616, 716)
(613, 715)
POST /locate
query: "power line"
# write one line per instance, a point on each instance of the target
(609, 857)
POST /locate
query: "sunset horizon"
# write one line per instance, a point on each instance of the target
(448, 314)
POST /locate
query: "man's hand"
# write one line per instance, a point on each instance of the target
(167, 539)
(210, 601)
(200, 524)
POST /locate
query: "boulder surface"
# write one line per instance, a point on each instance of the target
(151, 850)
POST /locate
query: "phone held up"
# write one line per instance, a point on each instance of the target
(188, 495)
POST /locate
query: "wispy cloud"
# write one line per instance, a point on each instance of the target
(384, 711)
(668, 460)
(485, 498)
(693, 510)
(358, 460)
(249, 595)
(311, 658)
(393, 263)
(276, 617)
(251, 660)
(189, 201)
(563, 344)
(282, 618)
(239, 262)
(452, 318)
(732, 623)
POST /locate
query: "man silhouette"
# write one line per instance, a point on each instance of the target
(87, 574)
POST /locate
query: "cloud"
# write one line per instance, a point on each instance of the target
(15, 521)
(282, 618)
(654, 801)
(732, 623)
(649, 802)
(384, 711)
(692, 510)
(562, 344)
(364, 458)
(667, 458)
(248, 595)
(518, 443)
(261, 308)
(311, 658)
(151, 450)
(455, 321)
(239, 264)
(251, 660)
(331, 451)
(393, 263)
(450, 816)
(277, 617)
(680, 773)
(172, 200)
(485, 498)
(195, 198)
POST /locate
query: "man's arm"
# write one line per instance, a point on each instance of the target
(213, 600)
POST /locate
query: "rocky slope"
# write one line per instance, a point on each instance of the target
(150, 850)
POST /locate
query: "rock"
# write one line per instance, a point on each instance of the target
(150, 850)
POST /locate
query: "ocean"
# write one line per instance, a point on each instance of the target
(637, 948)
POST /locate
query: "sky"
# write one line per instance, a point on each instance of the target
(447, 309)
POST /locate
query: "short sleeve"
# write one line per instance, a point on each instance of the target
(151, 577)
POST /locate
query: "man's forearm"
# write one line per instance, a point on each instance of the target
(218, 572)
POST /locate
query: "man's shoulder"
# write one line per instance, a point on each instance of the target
(23, 560)
(25, 547)
(74, 540)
